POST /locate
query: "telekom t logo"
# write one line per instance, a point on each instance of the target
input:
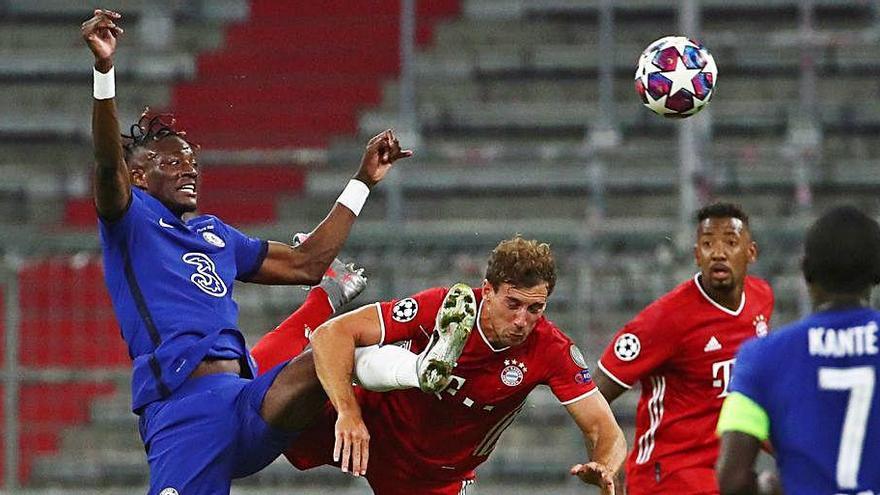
(721, 374)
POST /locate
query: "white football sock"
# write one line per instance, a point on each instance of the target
(385, 368)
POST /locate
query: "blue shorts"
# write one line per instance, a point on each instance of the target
(208, 432)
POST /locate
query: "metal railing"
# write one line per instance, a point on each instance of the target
(11, 379)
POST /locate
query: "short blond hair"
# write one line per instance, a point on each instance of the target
(521, 263)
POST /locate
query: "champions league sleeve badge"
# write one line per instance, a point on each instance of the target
(405, 310)
(627, 347)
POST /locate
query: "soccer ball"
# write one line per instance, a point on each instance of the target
(676, 76)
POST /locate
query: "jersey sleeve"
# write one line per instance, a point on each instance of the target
(403, 319)
(124, 224)
(569, 377)
(641, 346)
(249, 253)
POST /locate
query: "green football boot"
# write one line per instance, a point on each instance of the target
(453, 325)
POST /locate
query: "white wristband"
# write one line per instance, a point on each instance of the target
(105, 84)
(354, 196)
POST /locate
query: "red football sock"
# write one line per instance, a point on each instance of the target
(290, 337)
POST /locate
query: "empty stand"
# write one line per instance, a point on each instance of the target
(507, 92)
(67, 329)
(295, 75)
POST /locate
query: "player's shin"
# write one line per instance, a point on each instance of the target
(385, 368)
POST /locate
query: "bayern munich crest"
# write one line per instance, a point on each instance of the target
(513, 373)
(761, 327)
(405, 310)
(627, 347)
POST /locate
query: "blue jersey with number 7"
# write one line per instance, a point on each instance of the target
(171, 286)
(817, 381)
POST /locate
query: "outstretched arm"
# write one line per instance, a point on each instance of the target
(604, 439)
(112, 182)
(307, 262)
(333, 344)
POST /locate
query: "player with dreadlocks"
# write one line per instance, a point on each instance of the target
(150, 128)
(206, 415)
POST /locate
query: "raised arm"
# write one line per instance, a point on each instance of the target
(333, 344)
(307, 262)
(604, 440)
(112, 181)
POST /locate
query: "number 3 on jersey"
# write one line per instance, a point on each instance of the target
(205, 277)
(859, 382)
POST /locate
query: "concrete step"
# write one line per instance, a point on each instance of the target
(58, 10)
(561, 119)
(59, 34)
(761, 154)
(50, 98)
(51, 156)
(76, 63)
(104, 468)
(467, 33)
(747, 9)
(584, 90)
(114, 412)
(86, 439)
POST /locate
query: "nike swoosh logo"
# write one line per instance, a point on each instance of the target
(166, 225)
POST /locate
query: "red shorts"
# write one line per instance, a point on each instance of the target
(314, 447)
(688, 481)
(387, 484)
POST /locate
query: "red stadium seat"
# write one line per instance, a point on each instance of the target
(319, 64)
(275, 8)
(66, 323)
(44, 411)
(80, 213)
(261, 179)
(69, 322)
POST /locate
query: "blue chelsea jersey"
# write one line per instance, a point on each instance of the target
(171, 286)
(817, 380)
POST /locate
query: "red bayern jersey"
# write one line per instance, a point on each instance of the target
(682, 349)
(444, 436)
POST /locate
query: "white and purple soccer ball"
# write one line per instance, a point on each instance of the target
(676, 76)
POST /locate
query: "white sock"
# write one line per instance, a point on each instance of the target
(385, 368)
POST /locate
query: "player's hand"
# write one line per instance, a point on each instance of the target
(352, 444)
(100, 34)
(381, 152)
(597, 474)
